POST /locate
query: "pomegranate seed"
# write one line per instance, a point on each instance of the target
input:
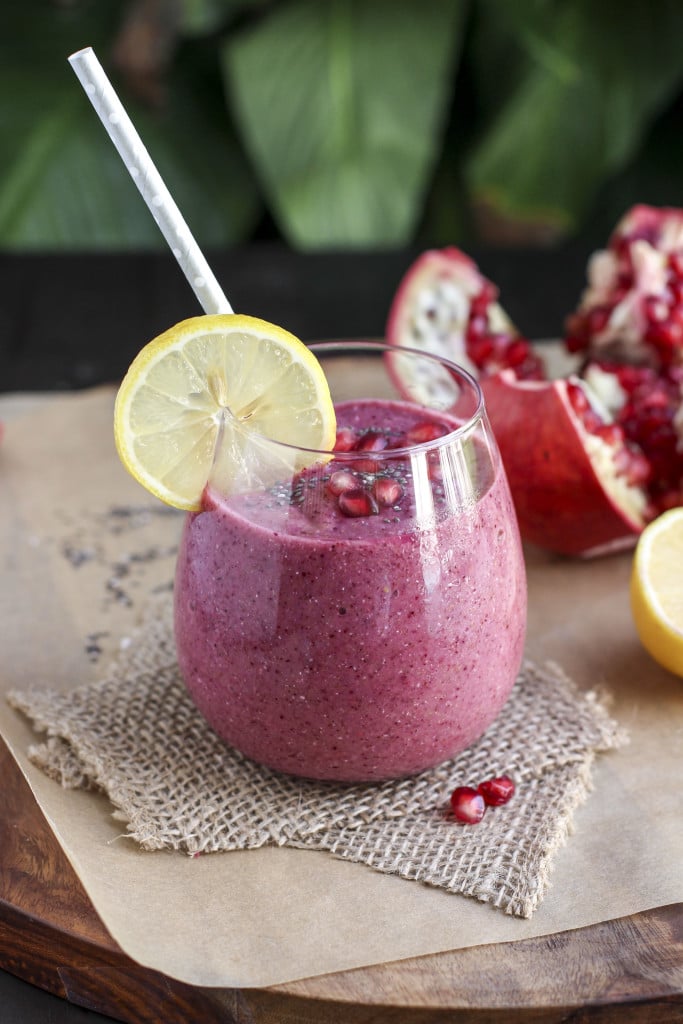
(582, 407)
(676, 264)
(387, 492)
(434, 468)
(340, 481)
(498, 791)
(656, 310)
(365, 465)
(577, 398)
(468, 805)
(610, 433)
(356, 502)
(477, 326)
(481, 302)
(425, 431)
(480, 351)
(345, 440)
(371, 442)
(598, 319)
(516, 353)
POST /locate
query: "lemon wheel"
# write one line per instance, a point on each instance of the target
(202, 398)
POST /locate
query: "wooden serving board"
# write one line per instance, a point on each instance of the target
(623, 971)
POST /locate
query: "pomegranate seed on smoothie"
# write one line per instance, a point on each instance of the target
(342, 610)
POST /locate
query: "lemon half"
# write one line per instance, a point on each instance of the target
(657, 589)
(224, 382)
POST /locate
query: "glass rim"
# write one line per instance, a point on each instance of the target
(359, 345)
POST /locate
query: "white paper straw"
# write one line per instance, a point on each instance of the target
(168, 217)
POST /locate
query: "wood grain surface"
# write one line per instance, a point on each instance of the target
(618, 972)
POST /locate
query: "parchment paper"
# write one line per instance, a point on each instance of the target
(82, 546)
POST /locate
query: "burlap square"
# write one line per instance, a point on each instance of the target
(136, 736)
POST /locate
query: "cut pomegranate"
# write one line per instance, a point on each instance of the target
(357, 502)
(468, 805)
(576, 492)
(632, 308)
(498, 791)
(591, 458)
(446, 306)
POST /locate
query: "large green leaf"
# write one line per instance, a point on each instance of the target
(341, 106)
(62, 184)
(596, 75)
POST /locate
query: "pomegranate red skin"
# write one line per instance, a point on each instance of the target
(561, 503)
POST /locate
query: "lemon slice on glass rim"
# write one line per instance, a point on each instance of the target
(657, 589)
(202, 399)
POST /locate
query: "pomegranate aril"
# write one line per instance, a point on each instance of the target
(676, 264)
(498, 791)
(610, 433)
(356, 503)
(373, 441)
(425, 431)
(434, 468)
(345, 440)
(388, 492)
(597, 319)
(340, 481)
(582, 407)
(482, 301)
(468, 805)
(368, 466)
(516, 353)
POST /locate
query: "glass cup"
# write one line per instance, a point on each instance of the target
(362, 618)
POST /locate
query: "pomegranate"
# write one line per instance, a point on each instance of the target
(632, 308)
(446, 306)
(576, 482)
(593, 457)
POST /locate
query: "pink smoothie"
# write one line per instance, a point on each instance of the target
(352, 647)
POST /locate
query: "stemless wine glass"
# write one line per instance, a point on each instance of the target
(362, 618)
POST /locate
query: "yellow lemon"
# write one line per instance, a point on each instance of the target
(200, 401)
(657, 589)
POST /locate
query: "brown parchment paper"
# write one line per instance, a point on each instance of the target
(82, 546)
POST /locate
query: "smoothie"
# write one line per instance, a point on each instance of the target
(364, 620)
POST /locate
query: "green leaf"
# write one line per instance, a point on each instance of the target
(62, 184)
(596, 76)
(341, 107)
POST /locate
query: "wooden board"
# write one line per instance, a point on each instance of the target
(629, 970)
